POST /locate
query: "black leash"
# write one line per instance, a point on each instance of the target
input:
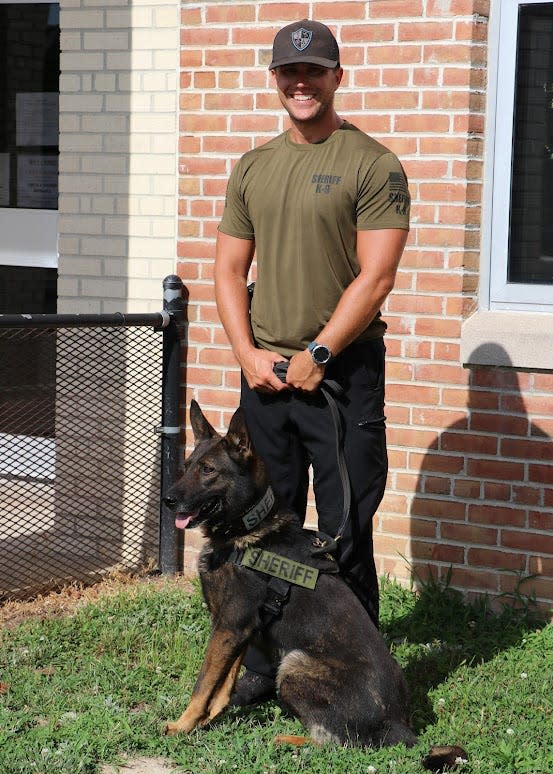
(331, 390)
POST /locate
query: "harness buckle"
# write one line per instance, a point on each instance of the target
(276, 597)
(274, 606)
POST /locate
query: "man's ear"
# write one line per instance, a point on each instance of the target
(237, 438)
(201, 428)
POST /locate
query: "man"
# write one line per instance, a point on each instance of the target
(326, 210)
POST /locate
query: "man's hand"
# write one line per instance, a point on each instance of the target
(303, 373)
(257, 367)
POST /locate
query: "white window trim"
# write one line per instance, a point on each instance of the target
(29, 237)
(514, 323)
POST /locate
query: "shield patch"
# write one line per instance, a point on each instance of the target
(301, 38)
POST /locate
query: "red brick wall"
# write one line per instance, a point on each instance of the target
(471, 469)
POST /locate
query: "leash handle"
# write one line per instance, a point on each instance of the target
(328, 545)
(280, 369)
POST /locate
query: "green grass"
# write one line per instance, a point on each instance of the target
(93, 687)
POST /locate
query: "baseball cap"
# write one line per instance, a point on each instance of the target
(305, 41)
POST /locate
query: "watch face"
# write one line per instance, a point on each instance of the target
(321, 354)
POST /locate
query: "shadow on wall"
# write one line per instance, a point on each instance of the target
(479, 517)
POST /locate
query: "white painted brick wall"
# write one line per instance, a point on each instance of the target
(118, 153)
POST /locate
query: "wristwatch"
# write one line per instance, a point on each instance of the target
(319, 352)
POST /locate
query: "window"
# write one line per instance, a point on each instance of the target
(29, 117)
(521, 240)
(29, 105)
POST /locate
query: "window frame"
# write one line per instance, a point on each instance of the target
(502, 294)
(504, 332)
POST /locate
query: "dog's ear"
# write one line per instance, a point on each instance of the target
(201, 428)
(237, 438)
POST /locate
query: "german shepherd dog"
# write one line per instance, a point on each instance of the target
(334, 671)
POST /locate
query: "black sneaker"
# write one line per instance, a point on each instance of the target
(252, 688)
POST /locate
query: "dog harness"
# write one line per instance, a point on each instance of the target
(283, 571)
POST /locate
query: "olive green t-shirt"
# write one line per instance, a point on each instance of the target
(303, 206)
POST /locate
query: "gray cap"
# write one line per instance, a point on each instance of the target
(305, 41)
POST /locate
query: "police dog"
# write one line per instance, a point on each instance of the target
(334, 671)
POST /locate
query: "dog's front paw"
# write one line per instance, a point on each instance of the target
(172, 729)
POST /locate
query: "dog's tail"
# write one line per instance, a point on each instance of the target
(444, 758)
(292, 739)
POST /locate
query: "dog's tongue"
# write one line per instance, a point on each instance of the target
(182, 520)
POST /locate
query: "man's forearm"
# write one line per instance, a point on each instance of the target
(233, 258)
(356, 309)
(232, 298)
(379, 253)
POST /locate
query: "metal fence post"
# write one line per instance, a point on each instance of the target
(169, 559)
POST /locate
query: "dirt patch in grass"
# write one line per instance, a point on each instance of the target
(69, 599)
(141, 766)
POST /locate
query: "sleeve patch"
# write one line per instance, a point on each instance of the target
(398, 192)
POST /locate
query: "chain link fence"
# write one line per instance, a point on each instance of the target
(81, 440)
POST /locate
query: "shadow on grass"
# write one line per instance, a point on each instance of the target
(442, 630)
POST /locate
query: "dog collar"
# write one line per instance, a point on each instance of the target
(259, 511)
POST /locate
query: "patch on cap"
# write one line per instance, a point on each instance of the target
(301, 38)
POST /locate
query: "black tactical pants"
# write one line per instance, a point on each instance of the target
(293, 430)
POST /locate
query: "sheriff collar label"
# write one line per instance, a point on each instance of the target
(256, 514)
(280, 567)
